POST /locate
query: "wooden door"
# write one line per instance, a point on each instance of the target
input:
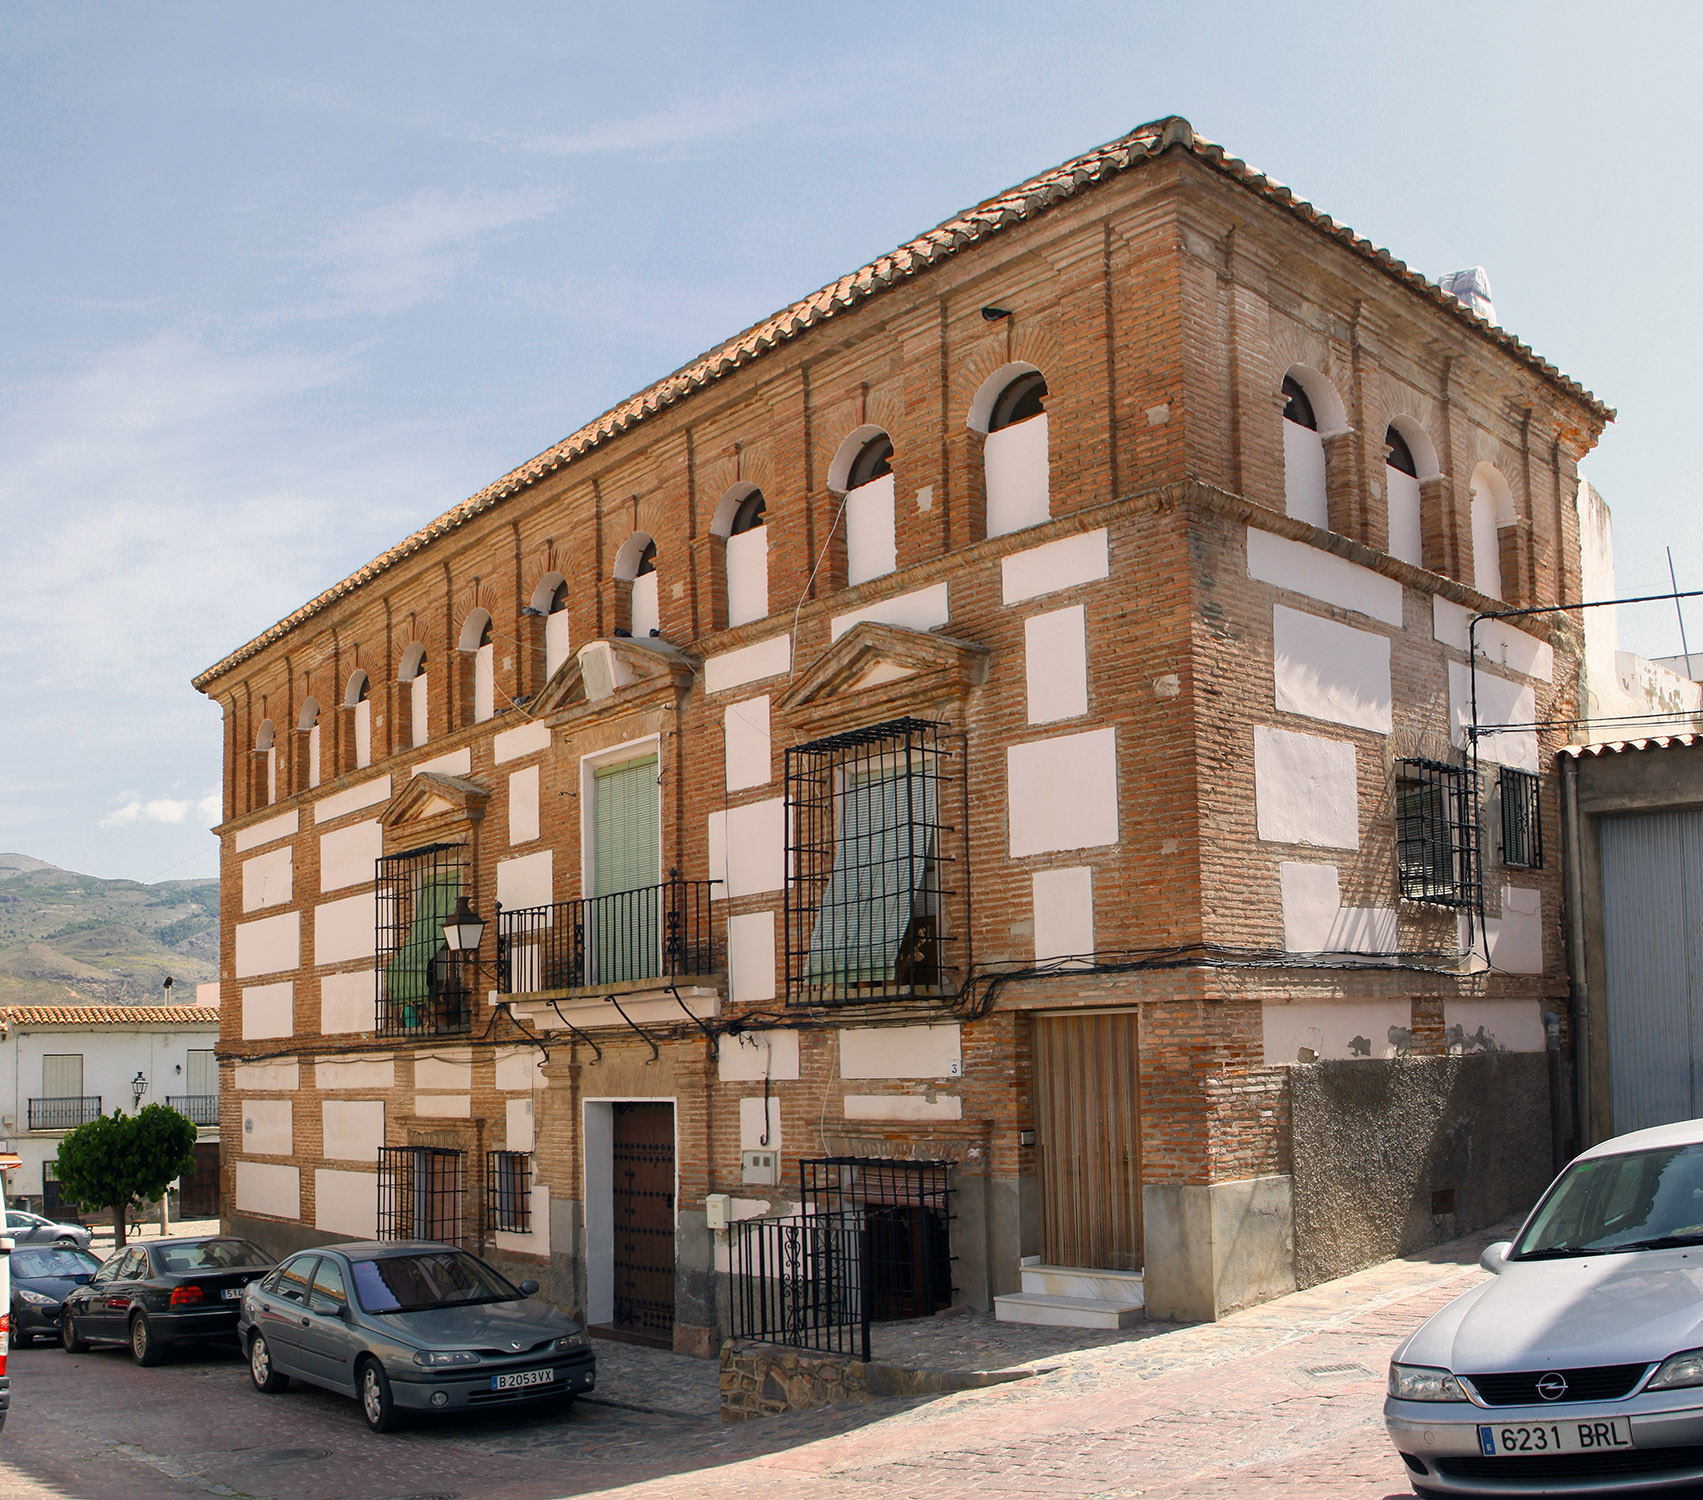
(644, 1219)
(1087, 1125)
(198, 1189)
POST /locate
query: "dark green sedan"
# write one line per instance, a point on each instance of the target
(410, 1327)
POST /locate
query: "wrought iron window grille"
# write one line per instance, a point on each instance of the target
(1520, 793)
(419, 1193)
(508, 1191)
(1437, 848)
(877, 882)
(424, 989)
(64, 1113)
(198, 1109)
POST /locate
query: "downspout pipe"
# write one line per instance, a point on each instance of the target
(1580, 1009)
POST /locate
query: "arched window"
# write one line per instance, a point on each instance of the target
(740, 518)
(307, 725)
(1492, 509)
(863, 471)
(355, 699)
(1401, 486)
(1304, 495)
(635, 564)
(413, 673)
(1010, 408)
(476, 642)
(266, 764)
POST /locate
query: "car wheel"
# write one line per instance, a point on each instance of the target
(377, 1404)
(69, 1339)
(260, 1369)
(145, 1349)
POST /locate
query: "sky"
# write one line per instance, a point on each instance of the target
(280, 284)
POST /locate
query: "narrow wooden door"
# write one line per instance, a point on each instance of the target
(644, 1219)
(1087, 1122)
(198, 1190)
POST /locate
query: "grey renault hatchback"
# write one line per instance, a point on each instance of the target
(410, 1327)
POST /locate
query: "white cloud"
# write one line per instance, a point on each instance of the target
(159, 810)
(211, 808)
(675, 125)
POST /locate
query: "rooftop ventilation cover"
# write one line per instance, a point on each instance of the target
(1471, 288)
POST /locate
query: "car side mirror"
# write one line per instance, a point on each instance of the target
(1495, 1256)
(529, 1289)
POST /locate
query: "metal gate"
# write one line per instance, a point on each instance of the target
(643, 1203)
(1652, 901)
(1087, 1120)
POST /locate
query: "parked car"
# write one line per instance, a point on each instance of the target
(150, 1296)
(1579, 1363)
(42, 1277)
(412, 1326)
(32, 1229)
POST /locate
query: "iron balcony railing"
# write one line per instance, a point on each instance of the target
(655, 932)
(802, 1281)
(64, 1113)
(198, 1109)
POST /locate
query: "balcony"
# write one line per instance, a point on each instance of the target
(198, 1109)
(430, 999)
(64, 1113)
(654, 932)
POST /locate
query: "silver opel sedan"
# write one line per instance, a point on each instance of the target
(1578, 1367)
(409, 1327)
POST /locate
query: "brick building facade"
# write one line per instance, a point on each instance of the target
(1010, 710)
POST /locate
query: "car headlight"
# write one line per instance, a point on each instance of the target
(1678, 1370)
(35, 1299)
(572, 1341)
(434, 1359)
(1420, 1383)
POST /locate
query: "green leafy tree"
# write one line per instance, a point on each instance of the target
(115, 1160)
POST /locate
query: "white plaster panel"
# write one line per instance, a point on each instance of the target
(1055, 664)
(1405, 513)
(268, 1010)
(1499, 643)
(518, 1124)
(751, 955)
(346, 1202)
(269, 1188)
(347, 1002)
(1064, 913)
(358, 1073)
(1063, 792)
(1014, 463)
(347, 855)
(731, 669)
(902, 1051)
(1323, 575)
(748, 848)
(1306, 789)
(455, 763)
(527, 880)
(903, 1107)
(536, 1241)
(871, 548)
(1331, 1031)
(454, 1071)
(518, 1068)
(1063, 564)
(525, 739)
(745, 732)
(269, 945)
(1330, 671)
(268, 1077)
(353, 1129)
(344, 930)
(752, 1056)
(760, 1124)
(1473, 1025)
(352, 799)
(445, 1106)
(747, 559)
(268, 1127)
(207, 994)
(1516, 937)
(922, 610)
(1304, 494)
(267, 879)
(523, 805)
(1499, 702)
(267, 832)
(1316, 921)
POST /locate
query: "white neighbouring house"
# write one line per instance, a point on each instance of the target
(61, 1065)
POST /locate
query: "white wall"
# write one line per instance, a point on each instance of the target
(347, 856)
(267, 879)
(1055, 663)
(748, 848)
(418, 701)
(523, 805)
(1329, 671)
(1064, 564)
(748, 576)
(1304, 474)
(871, 546)
(646, 614)
(1015, 462)
(745, 737)
(1062, 793)
(1406, 537)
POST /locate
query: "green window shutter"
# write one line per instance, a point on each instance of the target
(624, 933)
(405, 978)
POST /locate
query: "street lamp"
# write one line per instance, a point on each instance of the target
(138, 1087)
(465, 929)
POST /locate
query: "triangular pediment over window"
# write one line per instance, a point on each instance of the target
(877, 671)
(432, 797)
(615, 668)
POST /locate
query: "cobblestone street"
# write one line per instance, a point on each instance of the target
(1279, 1401)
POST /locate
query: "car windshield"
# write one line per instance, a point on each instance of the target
(437, 1278)
(1643, 1200)
(49, 1263)
(211, 1255)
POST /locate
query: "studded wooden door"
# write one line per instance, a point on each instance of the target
(644, 1219)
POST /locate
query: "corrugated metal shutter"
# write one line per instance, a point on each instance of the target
(203, 1075)
(627, 841)
(1652, 876)
(62, 1075)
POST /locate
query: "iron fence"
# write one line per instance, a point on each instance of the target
(904, 1208)
(64, 1113)
(424, 989)
(419, 1193)
(508, 1191)
(198, 1109)
(1437, 855)
(1522, 820)
(654, 932)
(802, 1281)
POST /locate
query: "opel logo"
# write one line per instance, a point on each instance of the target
(1553, 1386)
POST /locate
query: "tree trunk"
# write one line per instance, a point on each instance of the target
(118, 1226)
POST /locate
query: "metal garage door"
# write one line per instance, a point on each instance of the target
(1652, 879)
